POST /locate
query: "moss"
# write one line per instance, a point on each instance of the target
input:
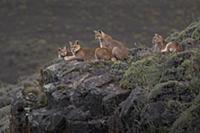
(163, 129)
(188, 120)
(177, 67)
(144, 72)
(43, 100)
(173, 37)
(187, 67)
(196, 33)
(192, 31)
(188, 43)
(184, 70)
(62, 88)
(30, 89)
(197, 99)
(173, 104)
(4, 119)
(151, 128)
(157, 68)
(118, 68)
(37, 92)
(168, 91)
(196, 61)
(194, 83)
(130, 77)
(4, 111)
(188, 31)
(4, 88)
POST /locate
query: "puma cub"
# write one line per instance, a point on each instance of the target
(160, 45)
(103, 54)
(86, 54)
(118, 49)
(89, 54)
(63, 52)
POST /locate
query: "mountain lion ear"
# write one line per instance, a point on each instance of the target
(100, 31)
(77, 42)
(159, 36)
(59, 49)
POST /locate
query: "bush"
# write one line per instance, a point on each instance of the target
(144, 72)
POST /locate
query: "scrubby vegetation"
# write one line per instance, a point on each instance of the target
(157, 68)
(4, 107)
(187, 37)
(172, 82)
(35, 95)
(148, 93)
(144, 72)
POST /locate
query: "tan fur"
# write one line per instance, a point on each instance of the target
(119, 51)
(172, 47)
(162, 46)
(159, 42)
(103, 53)
(63, 52)
(88, 54)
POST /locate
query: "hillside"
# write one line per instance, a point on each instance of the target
(148, 93)
(31, 30)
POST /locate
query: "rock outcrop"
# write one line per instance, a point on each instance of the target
(5, 101)
(149, 93)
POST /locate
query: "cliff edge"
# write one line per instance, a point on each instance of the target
(148, 93)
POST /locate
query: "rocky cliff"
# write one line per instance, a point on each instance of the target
(148, 93)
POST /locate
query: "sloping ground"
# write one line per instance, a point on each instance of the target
(149, 93)
(5, 107)
(31, 30)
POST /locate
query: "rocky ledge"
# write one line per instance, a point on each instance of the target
(149, 93)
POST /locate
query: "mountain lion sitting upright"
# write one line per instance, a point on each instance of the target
(119, 50)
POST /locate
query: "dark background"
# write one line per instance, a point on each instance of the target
(32, 30)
